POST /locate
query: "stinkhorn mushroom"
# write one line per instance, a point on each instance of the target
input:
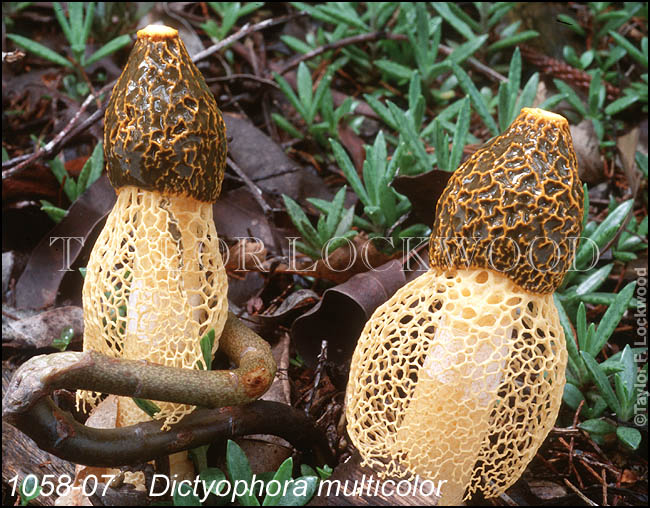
(155, 282)
(458, 377)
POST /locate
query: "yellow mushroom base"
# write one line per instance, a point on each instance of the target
(155, 284)
(458, 377)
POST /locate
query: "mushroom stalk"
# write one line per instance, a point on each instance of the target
(459, 376)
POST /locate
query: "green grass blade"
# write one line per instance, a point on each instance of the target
(40, 50)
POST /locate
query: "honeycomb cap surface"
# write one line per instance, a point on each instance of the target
(515, 206)
(163, 129)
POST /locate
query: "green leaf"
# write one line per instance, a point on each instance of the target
(443, 8)
(596, 95)
(571, 96)
(40, 50)
(441, 144)
(460, 135)
(54, 212)
(301, 221)
(304, 84)
(477, 99)
(63, 22)
(399, 71)
(597, 426)
(212, 477)
(334, 219)
(407, 130)
(69, 185)
(620, 104)
(600, 380)
(624, 383)
(630, 437)
(299, 492)
(572, 396)
(512, 41)
(183, 495)
(91, 170)
(76, 15)
(29, 484)
(284, 124)
(528, 93)
(581, 325)
(207, 343)
(496, 11)
(290, 94)
(624, 256)
(597, 408)
(63, 340)
(88, 21)
(110, 47)
(343, 12)
(350, 172)
(296, 44)
(282, 475)
(324, 472)
(604, 232)
(631, 50)
(240, 469)
(374, 168)
(382, 111)
(611, 318)
(573, 24)
(592, 282)
(147, 406)
(504, 96)
(586, 59)
(575, 361)
(467, 49)
(307, 470)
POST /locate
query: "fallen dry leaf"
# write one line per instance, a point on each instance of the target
(342, 313)
(39, 283)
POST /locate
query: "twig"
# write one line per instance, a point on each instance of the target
(252, 77)
(243, 32)
(48, 149)
(579, 494)
(255, 190)
(322, 358)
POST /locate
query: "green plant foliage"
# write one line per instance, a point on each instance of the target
(90, 172)
(63, 340)
(229, 12)
(308, 104)
(333, 228)
(591, 382)
(29, 489)
(76, 28)
(383, 206)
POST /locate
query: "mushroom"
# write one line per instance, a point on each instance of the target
(155, 282)
(459, 376)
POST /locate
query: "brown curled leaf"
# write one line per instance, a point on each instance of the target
(342, 312)
(38, 285)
